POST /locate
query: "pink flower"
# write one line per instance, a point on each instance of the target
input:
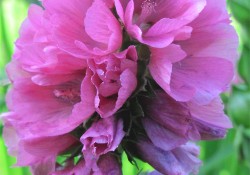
(103, 136)
(93, 30)
(48, 73)
(83, 28)
(192, 69)
(69, 95)
(169, 124)
(34, 151)
(114, 77)
(59, 108)
(158, 22)
(78, 84)
(50, 86)
(42, 71)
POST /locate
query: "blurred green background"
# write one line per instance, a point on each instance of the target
(230, 156)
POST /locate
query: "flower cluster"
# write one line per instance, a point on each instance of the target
(92, 79)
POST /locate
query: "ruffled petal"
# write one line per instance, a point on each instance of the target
(161, 61)
(179, 161)
(200, 78)
(162, 137)
(102, 26)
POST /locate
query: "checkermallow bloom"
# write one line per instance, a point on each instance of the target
(92, 79)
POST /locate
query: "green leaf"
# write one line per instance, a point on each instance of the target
(240, 10)
(244, 65)
(238, 107)
(246, 149)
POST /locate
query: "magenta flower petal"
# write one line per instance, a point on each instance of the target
(211, 45)
(212, 40)
(213, 13)
(162, 137)
(33, 28)
(79, 40)
(37, 58)
(115, 80)
(108, 164)
(197, 78)
(212, 113)
(156, 23)
(92, 79)
(46, 166)
(103, 136)
(103, 27)
(15, 71)
(200, 79)
(30, 151)
(43, 147)
(179, 161)
(160, 65)
(173, 123)
(62, 112)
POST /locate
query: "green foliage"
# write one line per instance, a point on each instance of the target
(239, 102)
(230, 156)
(240, 10)
(238, 106)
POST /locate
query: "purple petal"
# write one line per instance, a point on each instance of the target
(103, 136)
(162, 137)
(179, 161)
(44, 167)
(160, 65)
(200, 78)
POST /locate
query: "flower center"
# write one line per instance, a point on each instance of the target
(147, 10)
(68, 95)
(148, 6)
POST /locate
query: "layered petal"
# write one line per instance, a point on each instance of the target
(115, 80)
(160, 64)
(64, 110)
(103, 136)
(108, 164)
(93, 28)
(162, 137)
(78, 90)
(46, 166)
(102, 26)
(190, 78)
(34, 28)
(38, 152)
(157, 23)
(218, 40)
(179, 161)
(200, 78)
(44, 59)
(214, 12)
(169, 123)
